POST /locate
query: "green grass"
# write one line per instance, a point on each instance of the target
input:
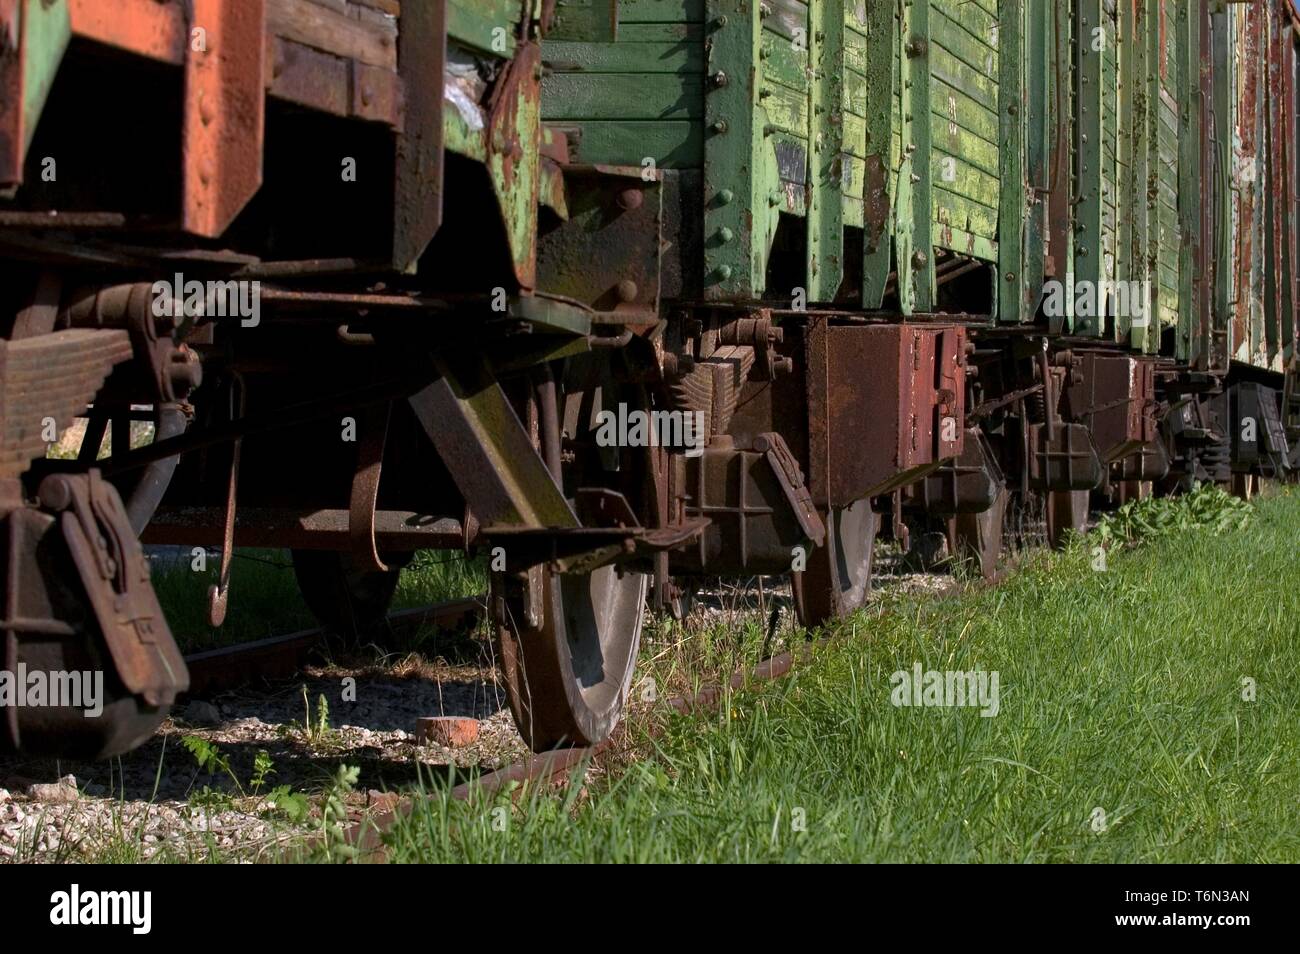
(264, 597)
(435, 576)
(1120, 690)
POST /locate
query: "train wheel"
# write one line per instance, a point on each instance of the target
(838, 577)
(1066, 510)
(347, 601)
(976, 538)
(567, 672)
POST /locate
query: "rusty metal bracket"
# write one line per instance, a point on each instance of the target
(490, 455)
(40, 313)
(583, 549)
(608, 253)
(365, 485)
(115, 574)
(755, 502)
(787, 471)
(418, 186)
(1149, 462)
(909, 379)
(968, 484)
(514, 135)
(225, 112)
(219, 593)
(1064, 458)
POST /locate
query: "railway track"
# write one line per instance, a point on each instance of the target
(282, 657)
(556, 767)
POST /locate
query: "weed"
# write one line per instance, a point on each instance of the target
(1208, 507)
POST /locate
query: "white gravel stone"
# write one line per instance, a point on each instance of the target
(55, 793)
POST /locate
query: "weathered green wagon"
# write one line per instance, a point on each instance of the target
(1120, 172)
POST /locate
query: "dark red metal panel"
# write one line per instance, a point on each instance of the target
(893, 405)
(1115, 396)
(816, 395)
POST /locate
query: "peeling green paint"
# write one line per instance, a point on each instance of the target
(46, 32)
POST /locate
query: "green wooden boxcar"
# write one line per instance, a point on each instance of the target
(1081, 141)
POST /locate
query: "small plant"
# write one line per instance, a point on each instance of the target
(262, 767)
(210, 759)
(322, 727)
(334, 815)
(1206, 508)
(316, 731)
(293, 805)
(210, 800)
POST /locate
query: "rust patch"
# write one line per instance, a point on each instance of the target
(11, 95)
(875, 196)
(1247, 164)
(225, 107)
(143, 27)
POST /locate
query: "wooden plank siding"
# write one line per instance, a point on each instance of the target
(639, 97)
(983, 157)
(964, 165)
(1113, 171)
(643, 96)
(1170, 231)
